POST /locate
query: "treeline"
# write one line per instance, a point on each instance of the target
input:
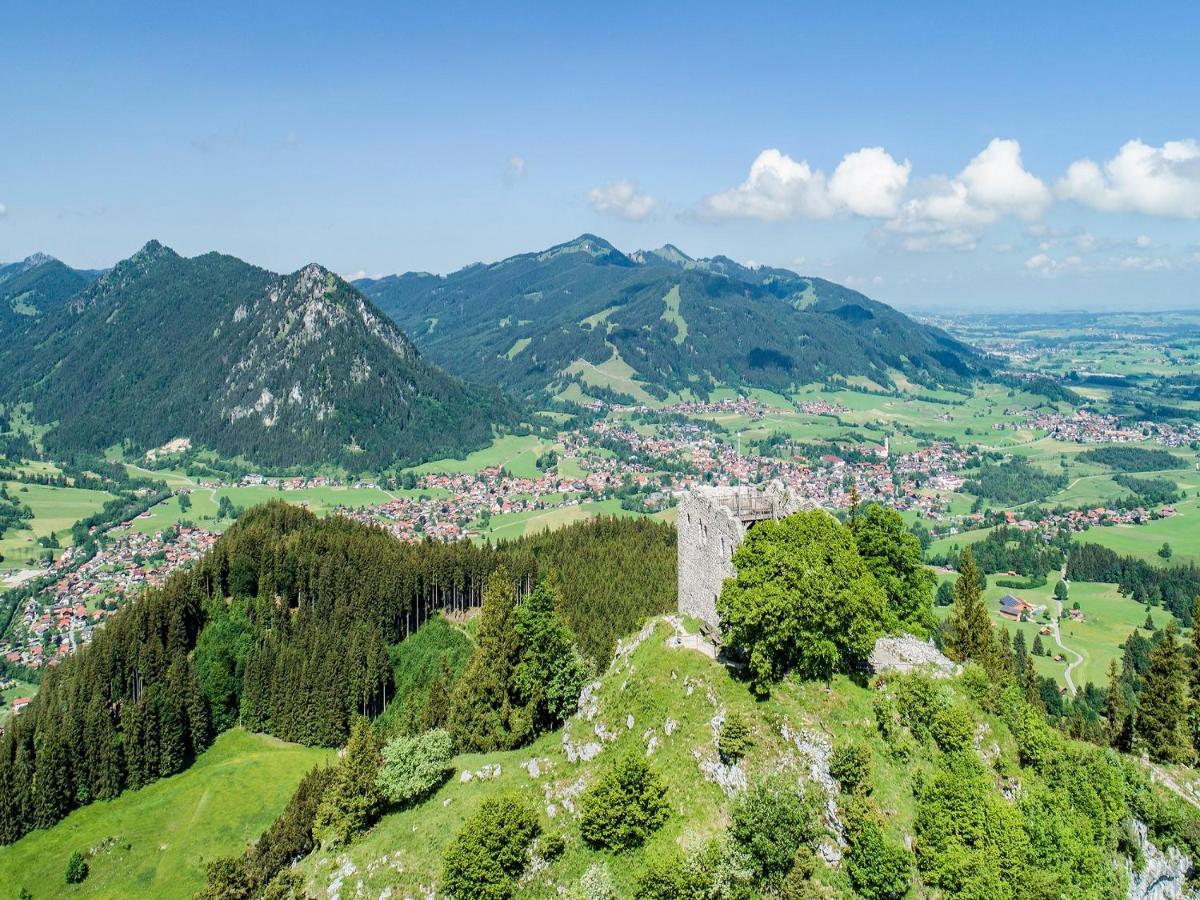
(13, 513)
(614, 573)
(1007, 549)
(1131, 459)
(1014, 482)
(122, 713)
(1175, 588)
(1145, 491)
(287, 626)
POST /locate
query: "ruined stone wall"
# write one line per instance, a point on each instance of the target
(707, 536)
(712, 522)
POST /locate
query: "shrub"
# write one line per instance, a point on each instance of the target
(488, 855)
(850, 766)
(413, 766)
(77, 868)
(879, 869)
(773, 819)
(953, 728)
(625, 805)
(717, 869)
(734, 741)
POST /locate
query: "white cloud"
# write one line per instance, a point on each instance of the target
(1143, 263)
(1143, 240)
(869, 182)
(1156, 181)
(997, 181)
(1043, 264)
(949, 213)
(514, 169)
(778, 188)
(622, 199)
(3, 210)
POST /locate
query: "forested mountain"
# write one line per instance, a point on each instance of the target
(656, 321)
(282, 369)
(36, 285)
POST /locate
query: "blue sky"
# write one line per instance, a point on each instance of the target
(933, 155)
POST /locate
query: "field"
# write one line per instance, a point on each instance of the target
(204, 503)
(55, 510)
(516, 453)
(1108, 620)
(154, 842)
(1182, 532)
(514, 525)
(614, 373)
(21, 689)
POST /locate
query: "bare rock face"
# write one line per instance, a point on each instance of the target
(906, 654)
(1164, 875)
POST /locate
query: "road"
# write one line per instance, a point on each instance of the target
(1058, 639)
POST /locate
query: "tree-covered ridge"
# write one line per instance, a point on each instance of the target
(678, 322)
(284, 370)
(35, 286)
(289, 626)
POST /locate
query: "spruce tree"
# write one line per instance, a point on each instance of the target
(1039, 649)
(353, 800)
(1161, 721)
(970, 626)
(551, 673)
(1115, 708)
(482, 717)
(1020, 652)
(1194, 686)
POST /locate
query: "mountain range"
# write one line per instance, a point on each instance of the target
(651, 324)
(295, 369)
(307, 368)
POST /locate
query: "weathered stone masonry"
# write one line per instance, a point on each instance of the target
(712, 522)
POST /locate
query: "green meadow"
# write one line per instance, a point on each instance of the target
(55, 510)
(516, 453)
(155, 842)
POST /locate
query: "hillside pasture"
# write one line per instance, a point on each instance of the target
(155, 842)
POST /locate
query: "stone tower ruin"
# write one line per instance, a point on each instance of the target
(712, 522)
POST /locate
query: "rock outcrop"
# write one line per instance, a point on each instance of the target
(910, 654)
(1163, 876)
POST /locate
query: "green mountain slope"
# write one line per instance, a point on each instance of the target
(657, 321)
(285, 370)
(36, 285)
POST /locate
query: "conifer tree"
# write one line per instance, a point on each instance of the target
(970, 626)
(1020, 652)
(1115, 708)
(482, 717)
(1161, 721)
(1039, 649)
(353, 800)
(551, 673)
(1031, 685)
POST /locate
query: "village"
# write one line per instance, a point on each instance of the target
(612, 458)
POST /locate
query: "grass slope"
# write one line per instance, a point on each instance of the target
(157, 840)
(672, 695)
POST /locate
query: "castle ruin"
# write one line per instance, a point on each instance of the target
(712, 522)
